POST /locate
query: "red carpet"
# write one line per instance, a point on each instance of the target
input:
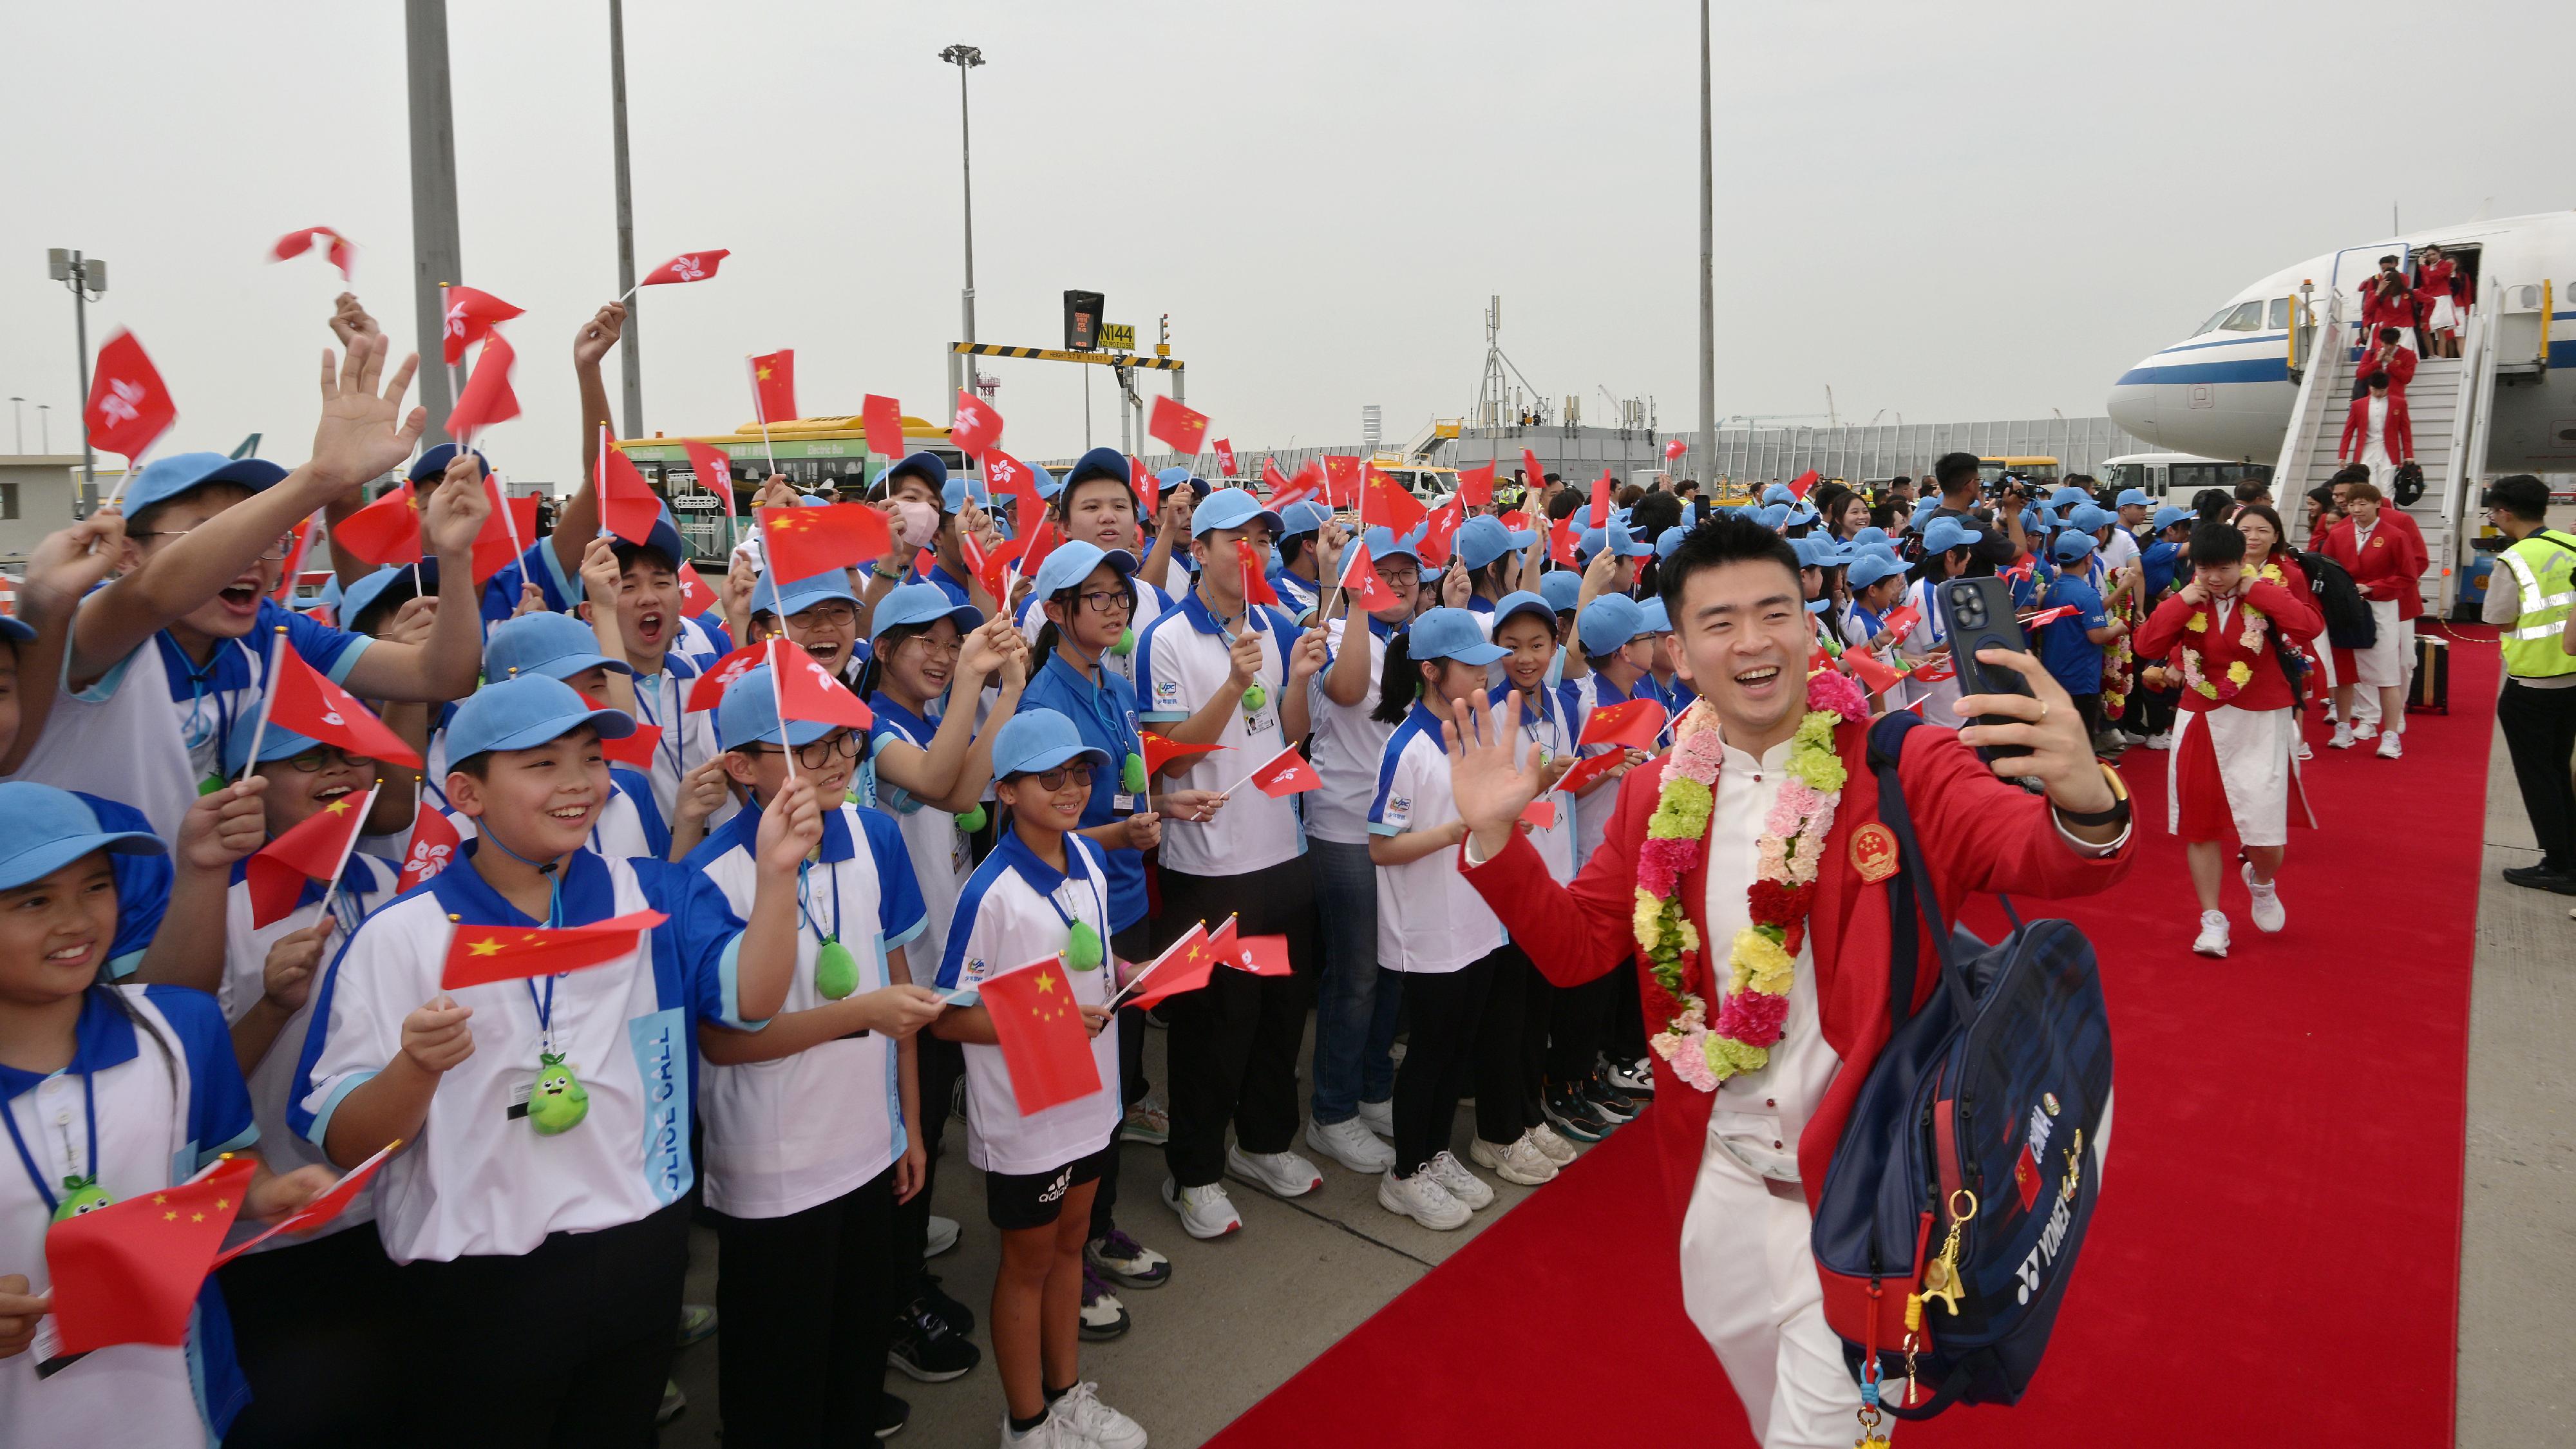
(2276, 1255)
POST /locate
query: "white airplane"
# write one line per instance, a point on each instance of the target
(2226, 391)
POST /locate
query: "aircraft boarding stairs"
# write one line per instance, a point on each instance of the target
(2450, 403)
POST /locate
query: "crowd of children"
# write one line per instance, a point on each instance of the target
(814, 910)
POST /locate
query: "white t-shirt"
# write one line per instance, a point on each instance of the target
(1018, 910)
(479, 1179)
(1929, 641)
(1184, 664)
(168, 1103)
(769, 1151)
(1546, 722)
(686, 740)
(2121, 551)
(1348, 746)
(366, 886)
(114, 740)
(1578, 698)
(940, 861)
(1429, 920)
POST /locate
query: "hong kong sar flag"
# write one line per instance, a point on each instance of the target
(129, 406)
(686, 267)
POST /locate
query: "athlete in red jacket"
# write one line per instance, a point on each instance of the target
(2383, 550)
(2388, 354)
(1743, 1162)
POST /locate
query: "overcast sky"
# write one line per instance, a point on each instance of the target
(1953, 212)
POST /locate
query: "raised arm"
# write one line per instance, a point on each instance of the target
(60, 573)
(578, 524)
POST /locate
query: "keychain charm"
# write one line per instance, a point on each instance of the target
(973, 820)
(836, 971)
(81, 1195)
(1131, 777)
(559, 1102)
(1082, 948)
(1126, 644)
(1255, 697)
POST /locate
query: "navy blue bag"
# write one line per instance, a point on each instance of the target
(1983, 1118)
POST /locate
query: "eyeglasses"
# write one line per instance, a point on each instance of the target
(843, 744)
(1058, 778)
(1106, 602)
(274, 553)
(935, 647)
(314, 762)
(825, 616)
(1399, 578)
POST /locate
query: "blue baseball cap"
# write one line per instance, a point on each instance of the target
(1872, 567)
(1925, 505)
(1867, 537)
(1484, 539)
(1298, 518)
(925, 465)
(1382, 543)
(1670, 541)
(1778, 493)
(1073, 561)
(1819, 551)
(1043, 483)
(1229, 508)
(1607, 623)
(2132, 498)
(557, 646)
(1522, 601)
(523, 713)
(2091, 518)
(1098, 463)
(431, 466)
(954, 492)
(1451, 634)
(1039, 739)
(1560, 587)
(45, 829)
(164, 479)
(2071, 545)
(1616, 539)
(366, 593)
(275, 743)
(15, 629)
(2031, 522)
(2067, 493)
(748, 715)
(1773, 516)
(1177, 476)
(921, 604)
(2169, 515)
(797, 595)
(1945, 534)
(1652, 617)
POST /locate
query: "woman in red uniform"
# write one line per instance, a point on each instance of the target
(2434, 274)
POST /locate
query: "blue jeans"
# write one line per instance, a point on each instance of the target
(1354, 1013)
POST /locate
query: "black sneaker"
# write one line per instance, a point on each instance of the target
(925, 1348)
(1103, 1316)
(892, 1415)
(1636, 1078)
(2542, 878)
(959, 1317)
(1573, 1115)
(1609, 1101)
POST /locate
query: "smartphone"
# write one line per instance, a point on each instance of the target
(1980, 616)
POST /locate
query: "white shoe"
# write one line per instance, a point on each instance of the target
(1463, 1185)
(2365, 729)
(1281, 1174)
(943, 1236)
(2212, 940)
(1206, 1212)
(2343, 737)
(1422, 1198)
(1081, 1411)
(2389, 749)
(1520, 1161)
(1545, 1139)
(1351, 1144)
(2267, 913)
(2160, 742)
(1379, 1117)
(1050, 1433)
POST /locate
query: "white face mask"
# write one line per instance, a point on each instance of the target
(916, 522)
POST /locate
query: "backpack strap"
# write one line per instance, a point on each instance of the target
(1917, 896)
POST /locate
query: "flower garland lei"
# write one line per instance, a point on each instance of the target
(2195, 668)
(1761, 959)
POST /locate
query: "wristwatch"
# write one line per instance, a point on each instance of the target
(2118, 813)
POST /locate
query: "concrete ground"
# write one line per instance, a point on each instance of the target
(1239, 1316)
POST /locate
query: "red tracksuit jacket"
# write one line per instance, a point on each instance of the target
(2399, 439)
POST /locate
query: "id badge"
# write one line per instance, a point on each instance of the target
(1123, 804)
(523, 1085)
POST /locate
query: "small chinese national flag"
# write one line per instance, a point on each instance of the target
(882, 417)
(686, 267)
(1184, 966)
(1383, 500)
(434, 843)
(471, 316)
(1635, 723)
(1287, 774)
(1600, 514)
(1225, 456)
(487, 398)
(977, 427)
(1256, 582)
(480, 954)
(773, 385)
(1359, 576)
(1159, 749)
(1341, 480)
(316, 849)
(129, 406)
(803, 542)
(708, 690)
(807, 690)
(1045, 1046)
(635, 751)
(627, 506)
(130, 1272)
(297, 243)
(495, 544)
(1178, 424)
(2047, 616)
(333, 1201)
(1589, 769)
(303, 701)
(1476, 485)
(1871, 671)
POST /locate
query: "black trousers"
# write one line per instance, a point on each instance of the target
(2540, 733)
(1579, 1018)
(311, 1322)
(2153, 709)
(1133, 944)
(808, 1303)
(940, 1065)
(1234, 1043)
(566, 1347)
(1511, 1048)
(2090, 707)
(1440, 1057)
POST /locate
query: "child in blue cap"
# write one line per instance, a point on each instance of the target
(1098, 505)
(109, 1093)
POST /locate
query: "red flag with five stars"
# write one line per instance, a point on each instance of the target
(1159, 749)
(1046, 1048)
(1635, 723)
(1383, 500)
(803, 542)
(334, 1201)
(1256, 580)
(480, 954)
(1178, 424)
(129, 1272)
(1476, 485)
(1184, 966)
(317, 849)
(1341, 480)
(882, 419)
(773, 385)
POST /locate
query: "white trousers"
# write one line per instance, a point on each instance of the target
(1749, 1284)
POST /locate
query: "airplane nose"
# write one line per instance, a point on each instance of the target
(2133, 407)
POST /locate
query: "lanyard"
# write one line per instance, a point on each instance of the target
(35, 1174)
(804, 902)
(545, 1006)
(1098, 894)
(201, 692)
(669, 745)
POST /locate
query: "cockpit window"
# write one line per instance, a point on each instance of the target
(2280, 313)
(2247, 317)
(2215, 318)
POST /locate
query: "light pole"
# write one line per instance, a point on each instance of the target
(1707, 257)
(45, 427)
(630, 357)
(18, 421)
(965, 58)
(87, 279)
(436, 254)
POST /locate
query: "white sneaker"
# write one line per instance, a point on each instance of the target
(2212, 940)
(2268, 915)
(1545, 1139)
(1050, 1433)
(2343, 737)
(1379, 1117)
(943, 1236)
(2160, 741)
(1281, 1174)
(1422, 1198)
(1081, 1411)
(1520, 1161)
(2389, 749)
(1206, 1212)
(2365, 729)
(1351, 1144)
(2301, 752)
(1463, 1185)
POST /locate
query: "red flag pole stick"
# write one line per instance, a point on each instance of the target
(351, 844)
(267, 699)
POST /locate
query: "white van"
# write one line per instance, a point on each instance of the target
(2176, 475)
